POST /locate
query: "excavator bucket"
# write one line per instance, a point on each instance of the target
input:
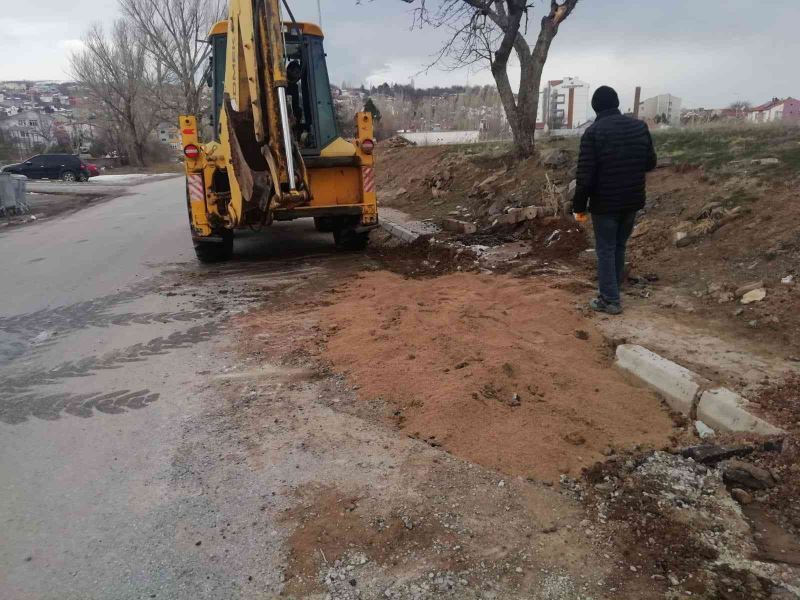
(251, 168)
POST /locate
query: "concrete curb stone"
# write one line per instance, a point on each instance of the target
(679, 386)
(687, 392)
(724, 409)
(398, 231)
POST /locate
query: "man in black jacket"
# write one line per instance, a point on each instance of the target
(616, 153)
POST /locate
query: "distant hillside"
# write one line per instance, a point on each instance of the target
(404, 107)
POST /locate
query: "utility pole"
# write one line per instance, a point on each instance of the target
(636, 99)
(319, 13)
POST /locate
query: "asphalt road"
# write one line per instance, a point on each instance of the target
(108, 332)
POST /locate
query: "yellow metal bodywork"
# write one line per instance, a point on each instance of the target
(249, 89)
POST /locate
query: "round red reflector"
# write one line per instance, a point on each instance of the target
(368, 146)
(191, 151)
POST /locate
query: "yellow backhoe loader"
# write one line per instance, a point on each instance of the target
(276, 153)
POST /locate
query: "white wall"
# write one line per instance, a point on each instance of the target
(440, 138)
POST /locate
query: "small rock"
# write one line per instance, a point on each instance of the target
(748, 287)
(575, 438)
(515, 400)
(550, 529)
(581, 334)
(724, 297)
(703, 430)
(407, 522)
(754, 296)
(746, 475)
(788, 280)
(42, 337)
(741, 496)
(502, 483)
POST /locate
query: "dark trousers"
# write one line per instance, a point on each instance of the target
(611, 233)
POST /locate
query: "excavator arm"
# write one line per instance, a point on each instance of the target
(265, 158)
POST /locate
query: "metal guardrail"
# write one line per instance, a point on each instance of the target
(12, 194)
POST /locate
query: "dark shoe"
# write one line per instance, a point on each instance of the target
(601, 305)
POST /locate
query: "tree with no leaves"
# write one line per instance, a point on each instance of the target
(489, 31)
(174, 32)
(120, 80)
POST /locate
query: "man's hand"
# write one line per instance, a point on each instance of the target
(581, 217)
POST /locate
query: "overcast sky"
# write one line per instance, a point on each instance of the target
(710, 53)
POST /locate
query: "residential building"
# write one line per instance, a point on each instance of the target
(168, 134)
(775, 110)
(664, 108)
(28, 130)
(565, 103)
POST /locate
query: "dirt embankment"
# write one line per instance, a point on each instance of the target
(709, 227)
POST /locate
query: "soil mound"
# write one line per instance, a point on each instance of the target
(501, 371)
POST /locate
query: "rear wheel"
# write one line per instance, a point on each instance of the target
(211, 252)
(68, 176)
(82, 178)
(350, 239)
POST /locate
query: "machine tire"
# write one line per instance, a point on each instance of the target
(212, 252)
(350, 239)
(83, 178)
(68, 176)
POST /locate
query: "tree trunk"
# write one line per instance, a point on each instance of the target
(522, 110)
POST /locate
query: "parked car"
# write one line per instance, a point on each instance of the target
(67, 167)
(93, 169)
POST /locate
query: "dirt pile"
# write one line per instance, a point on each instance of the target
(498, 370)
(779, 403)
(424, 259)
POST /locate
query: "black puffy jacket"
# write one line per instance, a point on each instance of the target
(616, 152)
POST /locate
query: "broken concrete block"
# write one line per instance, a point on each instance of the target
(529, 213)
(456, 226)
(748, 287)
(725, 410)
(754, 296)
(510, 218)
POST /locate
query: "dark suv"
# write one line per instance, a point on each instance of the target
(68, 167)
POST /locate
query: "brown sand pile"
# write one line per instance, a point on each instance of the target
(501, 371)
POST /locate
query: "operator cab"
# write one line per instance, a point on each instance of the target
(311, 111)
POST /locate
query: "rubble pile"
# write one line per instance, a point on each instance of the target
(679, 519)
(397, 141)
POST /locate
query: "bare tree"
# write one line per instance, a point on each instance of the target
(489, 31)
(741, 107)
(116, 72)
(173, 32)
